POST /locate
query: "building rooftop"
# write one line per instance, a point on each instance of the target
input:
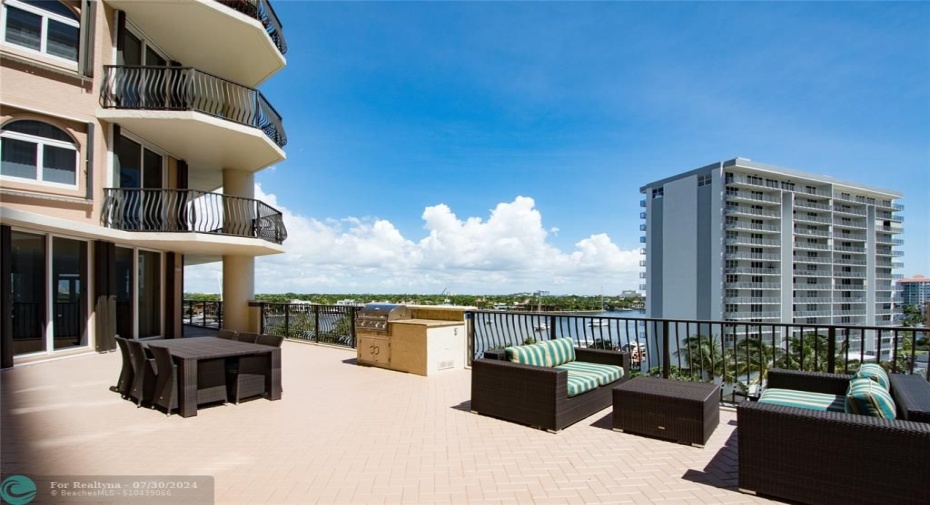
(348, 434)
(765, 168)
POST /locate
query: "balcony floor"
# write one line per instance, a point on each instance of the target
(348, 434)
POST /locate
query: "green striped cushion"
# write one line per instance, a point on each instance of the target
(603, 374)
(562, 350)
(534, 354)
(875, 372)
(869, 398)
(578, 383)
(803, 399)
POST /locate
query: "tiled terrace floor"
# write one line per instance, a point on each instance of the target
(348, 434)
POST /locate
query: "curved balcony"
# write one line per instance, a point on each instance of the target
(188, 211)
(241, 40)
(208, 121)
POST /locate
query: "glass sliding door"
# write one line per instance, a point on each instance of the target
(29, 299)
(69, 291)
(149, 294)
(139, 168)
(125, 308)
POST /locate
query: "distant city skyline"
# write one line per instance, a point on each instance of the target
(498, 147)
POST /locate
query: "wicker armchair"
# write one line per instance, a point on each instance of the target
(816, 457)
(227, 334)
(538, 396)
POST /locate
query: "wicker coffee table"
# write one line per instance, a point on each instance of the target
(686, 412)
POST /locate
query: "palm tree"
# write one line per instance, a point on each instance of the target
(809, 352)
(703, 355)
(753, 356)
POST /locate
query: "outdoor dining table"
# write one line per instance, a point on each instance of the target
(187, 352)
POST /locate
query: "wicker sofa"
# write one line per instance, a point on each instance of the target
(538, 395)
(823, 457)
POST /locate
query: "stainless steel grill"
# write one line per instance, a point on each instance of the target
(374, 317)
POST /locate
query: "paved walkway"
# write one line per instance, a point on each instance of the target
(348, 434)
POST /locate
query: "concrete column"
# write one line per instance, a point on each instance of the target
(238, 289)
(238, 271)
(238, 183)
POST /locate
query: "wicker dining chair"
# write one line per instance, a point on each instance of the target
(124, 383)
(272, 340)
(227, 334)
(166, 380)
(248, 377)
(247, 337)
(143, 370)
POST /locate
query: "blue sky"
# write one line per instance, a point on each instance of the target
(484, 147)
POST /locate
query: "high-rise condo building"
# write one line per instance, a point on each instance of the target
(120, 120)
(914, 290)
(744, 241)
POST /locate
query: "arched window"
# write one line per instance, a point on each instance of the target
(46, 26)
(38, 151)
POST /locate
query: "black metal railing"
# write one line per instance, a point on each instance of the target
(186, 88)
(264, 12)
(205, 314)
(183, 210)
(736, 354)
(328, 324)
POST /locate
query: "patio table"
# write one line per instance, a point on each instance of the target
(187, 352)
(687, 412)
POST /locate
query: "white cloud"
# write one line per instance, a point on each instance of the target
(506, 253)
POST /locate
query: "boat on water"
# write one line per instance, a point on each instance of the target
(542, 327)
(598, 323)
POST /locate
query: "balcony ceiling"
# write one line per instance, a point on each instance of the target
(206, 143)
(207, 35)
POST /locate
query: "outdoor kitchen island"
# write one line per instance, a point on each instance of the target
(418, 340)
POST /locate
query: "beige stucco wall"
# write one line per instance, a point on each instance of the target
(40, 88)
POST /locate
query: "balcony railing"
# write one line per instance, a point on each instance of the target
(188, 89)
(745, 195)
(849, 210)
(754, 241)
(808, 231)
(812, 219)
(262, 11)
(811, 205)
(752, 270)
(736, 353)
(746, 255)
(754, 212)
(178, 210)
(752, 299)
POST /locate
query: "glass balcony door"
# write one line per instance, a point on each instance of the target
(49, 293)
(138, 293)
(140, 168)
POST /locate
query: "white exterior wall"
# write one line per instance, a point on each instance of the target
(679, 245)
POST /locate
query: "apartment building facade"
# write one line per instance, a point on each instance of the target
(120, 121)
(745, 241)
(914, 291)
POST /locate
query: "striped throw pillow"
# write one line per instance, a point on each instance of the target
(868, 398)
(533, 354)
(875, 372)
(562, 350)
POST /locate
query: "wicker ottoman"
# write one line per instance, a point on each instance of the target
(687, 412)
